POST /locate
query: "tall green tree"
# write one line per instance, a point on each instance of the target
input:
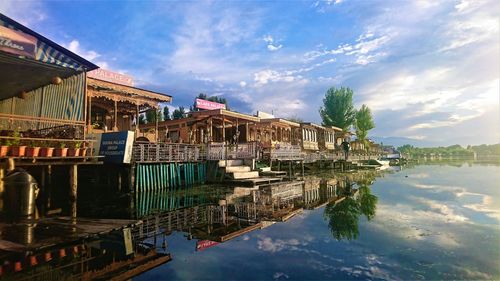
(364, 123)
(166, 113)
(152, 115)
(178, 113)
(337, 109)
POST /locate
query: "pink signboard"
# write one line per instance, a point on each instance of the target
(110, 76)
(17, 42)
(204, 104)
(204, 244)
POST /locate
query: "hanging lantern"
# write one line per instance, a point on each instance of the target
(22, 95)
(56, 80)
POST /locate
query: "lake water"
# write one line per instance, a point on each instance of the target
(431, 221)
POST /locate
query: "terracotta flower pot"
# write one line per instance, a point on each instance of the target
(4, 150)
(46, 151)
(73, 152)
(83, 151)
(61, 152)
(18, 151)
(32, 151)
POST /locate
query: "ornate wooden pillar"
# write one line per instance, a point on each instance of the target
(115, 127)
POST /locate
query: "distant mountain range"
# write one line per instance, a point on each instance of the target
(399, 141)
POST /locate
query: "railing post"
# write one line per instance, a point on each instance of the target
(141, 147)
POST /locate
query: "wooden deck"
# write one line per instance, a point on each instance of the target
(43, 161)
(49, 232)
(254, 181)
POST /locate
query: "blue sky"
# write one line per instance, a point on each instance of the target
(429, 70)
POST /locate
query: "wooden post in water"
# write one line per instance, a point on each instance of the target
(133, 190)
(48, 188)
(2, 175)
(73, 183)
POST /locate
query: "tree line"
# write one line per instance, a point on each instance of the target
(452, 150)
(164, 114)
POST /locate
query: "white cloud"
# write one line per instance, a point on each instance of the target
(93, 56)
(243, 84)
(273, 48)
(268, 245)
(28, 13)
(365, 51)
(265, 76)
(74, 46)
(268, 39)
(268, 75)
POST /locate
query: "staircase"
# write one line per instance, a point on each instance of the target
(237, 170)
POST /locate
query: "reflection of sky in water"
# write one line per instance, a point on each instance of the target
(432, 222)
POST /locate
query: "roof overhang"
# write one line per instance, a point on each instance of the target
(85, 64)
(100, 88)
(19, 75)
(313, 125)
(225, 113)
(279, 120)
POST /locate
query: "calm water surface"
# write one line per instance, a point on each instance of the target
(438, 221)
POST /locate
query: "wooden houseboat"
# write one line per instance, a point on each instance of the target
(208, 126)
(309, 141)
(42, 86)
(357, 146)
(326, 138)
(115, 104)
(276, 132)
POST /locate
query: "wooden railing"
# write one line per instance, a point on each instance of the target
(335, 156)
(221, 151)
(167, 152)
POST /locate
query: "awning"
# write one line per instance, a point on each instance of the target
(122, 93)
(23, 75)
(48, 51)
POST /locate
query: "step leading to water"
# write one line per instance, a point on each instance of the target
(238, 162)
(237, 169)
(245, 175)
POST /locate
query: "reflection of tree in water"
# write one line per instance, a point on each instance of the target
(343, 217)
(367, 202)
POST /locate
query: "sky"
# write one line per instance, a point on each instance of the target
(429, 70)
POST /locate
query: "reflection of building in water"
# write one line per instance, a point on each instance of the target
(318, 192)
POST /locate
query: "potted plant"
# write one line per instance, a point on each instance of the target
(33, 150)
(16, 149)
(62, 151)
(4, 148)
(84, 149)
(47, 150)
(74, 151)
